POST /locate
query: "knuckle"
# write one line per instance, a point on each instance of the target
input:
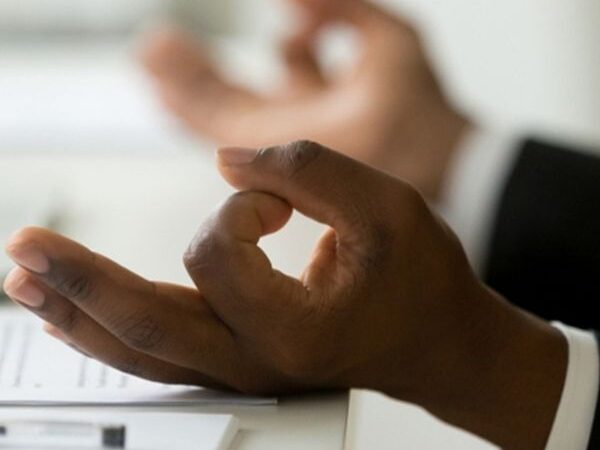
(206, 253)
(75, 283)
(292, 158)
(378, 241)
(298, 155)
(67, 321)
(142, 333)
(75, 286)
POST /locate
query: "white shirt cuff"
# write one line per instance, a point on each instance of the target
(474, 186)
(577, 408)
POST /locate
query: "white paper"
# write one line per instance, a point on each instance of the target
(36, 369)
(148, 431)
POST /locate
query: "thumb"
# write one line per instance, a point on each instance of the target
(320, 183)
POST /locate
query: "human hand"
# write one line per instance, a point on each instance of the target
(388, 302)
(387, 110)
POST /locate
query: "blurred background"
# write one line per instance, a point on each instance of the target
(86, 149)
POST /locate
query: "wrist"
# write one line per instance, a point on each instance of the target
(426, 145)
(506, 381)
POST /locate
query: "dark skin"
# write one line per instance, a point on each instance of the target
(388, 302)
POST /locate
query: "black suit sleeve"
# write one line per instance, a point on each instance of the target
(544, 253)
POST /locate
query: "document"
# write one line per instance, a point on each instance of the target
(36, 369)
(142, 430)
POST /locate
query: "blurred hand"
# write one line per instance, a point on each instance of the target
(388, 110)
(388, 302)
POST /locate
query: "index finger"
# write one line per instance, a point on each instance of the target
(142, 315)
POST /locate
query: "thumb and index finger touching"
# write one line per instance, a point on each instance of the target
(224, 259)
(372, 22)
(320, 183)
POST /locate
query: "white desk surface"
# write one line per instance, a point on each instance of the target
(309, 422)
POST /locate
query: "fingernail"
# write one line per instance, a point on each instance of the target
(236, 156)
(29, 258)
(18, 287)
